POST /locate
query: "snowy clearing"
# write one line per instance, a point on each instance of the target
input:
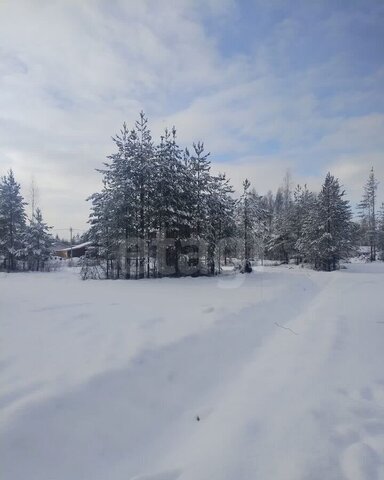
(276, 375)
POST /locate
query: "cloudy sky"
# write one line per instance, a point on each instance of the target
(268, 85)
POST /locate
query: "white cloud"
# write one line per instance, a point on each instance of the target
(71, 72)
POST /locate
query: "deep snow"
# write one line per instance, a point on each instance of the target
(105, 379)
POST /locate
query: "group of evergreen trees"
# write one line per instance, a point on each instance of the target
(163, 212)
(24, 244)
(302, 226)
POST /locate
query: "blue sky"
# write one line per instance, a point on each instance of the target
(269, 86)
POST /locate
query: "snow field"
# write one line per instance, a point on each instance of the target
(106, 379)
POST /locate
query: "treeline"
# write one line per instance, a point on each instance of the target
(163, 212)
(25, 244)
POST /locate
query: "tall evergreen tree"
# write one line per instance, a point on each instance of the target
(37, 242)
(328, 230)
(172, 199)
(199, 168)
(122, 214)
(250, 214)
(381, 232)
(220, 223)
(12, 221)
(368, 212)
(113, 212)
(104, 232)
(303, 203)
(282, 236)
(144, 159)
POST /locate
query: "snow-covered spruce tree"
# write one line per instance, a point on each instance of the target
(220, 225)
(307, 245)
(37, 242)
(368, 213)
(246, 225)
(280, 245)
(328, 232)
(211, 210)
(104, 217)
(249, 215)
(12, 221)
(303, 202)
(205, 197)
(142, 180)
(199, 169)
(267, 205)
(104, 233)
(130, 188)
(381, 232)
(114, 213)
(121, 218)
(173, 209)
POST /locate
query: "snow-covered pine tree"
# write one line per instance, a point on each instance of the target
(250, 216)
(122, 214)
(368, 213)
(220, 225)
(303, 202)
(199, 169)
(280, 245)
(111, 214)
(12, 221)
(328, 232)
(105, 233)
(381, 232)
(246, 225)
(143, 181)
(267, 204)
(172, 194)
(203, 200)
(307, 244)
(37, 242)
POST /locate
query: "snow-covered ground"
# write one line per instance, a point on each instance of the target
(284, 369)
